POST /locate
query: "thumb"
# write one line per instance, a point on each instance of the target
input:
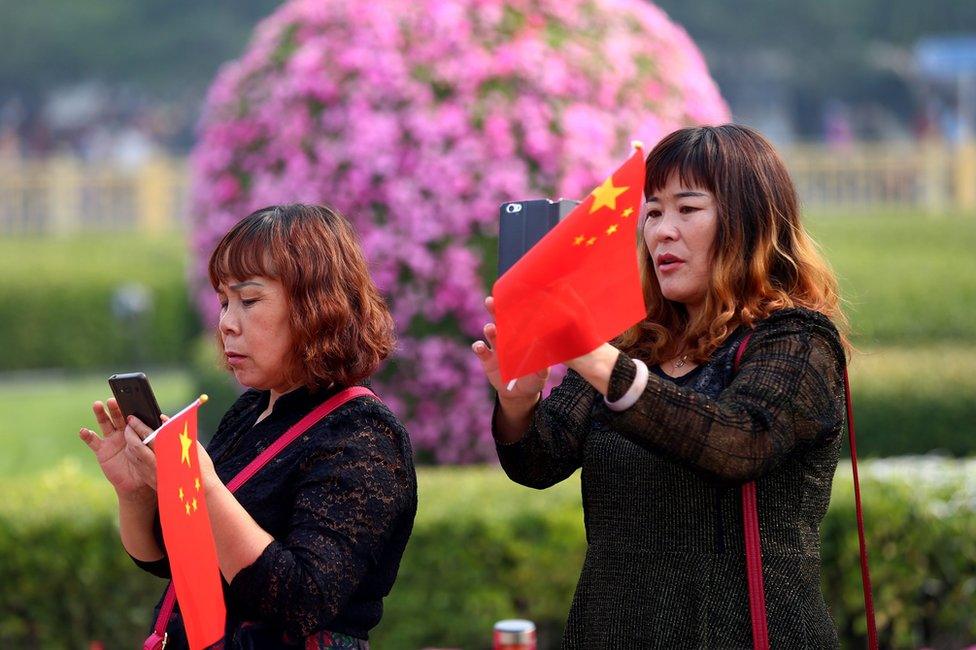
(90, 438)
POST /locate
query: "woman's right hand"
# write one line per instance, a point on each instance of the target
(527, 388)
(109, 450)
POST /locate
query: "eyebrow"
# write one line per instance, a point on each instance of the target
(681, 195)
(246, 283)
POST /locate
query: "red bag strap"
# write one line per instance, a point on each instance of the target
(157, 640)
(750, 526)
(861, 542)
(750, 520)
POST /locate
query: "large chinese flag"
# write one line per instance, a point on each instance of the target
(186, 529)
(579, 286)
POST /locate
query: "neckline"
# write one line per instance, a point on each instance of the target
(658, 370)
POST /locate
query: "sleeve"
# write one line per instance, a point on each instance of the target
(787, 393)
(552, 448)
(350, 493)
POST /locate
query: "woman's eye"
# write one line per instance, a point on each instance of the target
(687, 209)
(223, 306)
(653, 214)
(249, 302)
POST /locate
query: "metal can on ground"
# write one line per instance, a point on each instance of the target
(514, 634)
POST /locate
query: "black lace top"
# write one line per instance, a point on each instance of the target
(665, 563)
(340, 503)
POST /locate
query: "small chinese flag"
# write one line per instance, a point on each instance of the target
(186, 529)
(580, 285)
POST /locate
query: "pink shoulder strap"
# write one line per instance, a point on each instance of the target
(157, 640)
(750, 521)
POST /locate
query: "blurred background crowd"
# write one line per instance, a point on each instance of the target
(133, 134)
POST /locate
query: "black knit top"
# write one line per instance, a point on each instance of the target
(665, 562)
(340, 503)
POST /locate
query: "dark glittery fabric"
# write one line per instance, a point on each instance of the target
(665, 563)
(340, 502)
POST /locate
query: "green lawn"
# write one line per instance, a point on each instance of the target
(907, 279)
(41, 416)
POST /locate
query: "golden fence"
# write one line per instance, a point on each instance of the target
(62, 196)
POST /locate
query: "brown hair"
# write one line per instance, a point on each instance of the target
(763, 259)
(340, 324)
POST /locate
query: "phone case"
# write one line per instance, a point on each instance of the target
(135, 397)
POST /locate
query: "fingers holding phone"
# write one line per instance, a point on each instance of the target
(119, 450)
(139, 454)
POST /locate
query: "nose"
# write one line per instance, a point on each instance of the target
(228, 323)
(662, 229)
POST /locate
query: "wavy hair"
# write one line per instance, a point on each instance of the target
(763, 259)
(340, 324)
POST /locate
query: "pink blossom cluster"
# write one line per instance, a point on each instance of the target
(416, 120)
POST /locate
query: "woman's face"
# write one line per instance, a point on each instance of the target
(679, 229)
(255, 332)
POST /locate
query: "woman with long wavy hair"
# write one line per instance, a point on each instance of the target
(666, 423)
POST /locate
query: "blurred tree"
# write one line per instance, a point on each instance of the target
(162, 46)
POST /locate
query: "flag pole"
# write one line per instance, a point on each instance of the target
(195, 403)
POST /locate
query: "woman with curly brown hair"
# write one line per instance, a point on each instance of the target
(310, 546)
(666, 422)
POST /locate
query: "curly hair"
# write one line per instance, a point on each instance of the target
(340, 324)
(763, 259)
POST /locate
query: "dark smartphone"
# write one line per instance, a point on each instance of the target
(523, 223)
(135, 397)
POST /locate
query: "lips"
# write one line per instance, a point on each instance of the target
(668, 261)
(234, 358)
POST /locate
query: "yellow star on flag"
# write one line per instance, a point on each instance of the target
(196, 484)
(606, 195)
(181, 494)
(612, 229)
(626, 213)
(188, 508)
(194, 503)
(591, 241)
(185, 442)
(579, 240)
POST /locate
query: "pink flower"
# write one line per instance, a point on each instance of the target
(416, 120)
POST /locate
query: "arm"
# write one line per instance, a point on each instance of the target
(552, 447)
(788, 392)
(348, 500)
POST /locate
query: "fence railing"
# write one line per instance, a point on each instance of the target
(61, 196)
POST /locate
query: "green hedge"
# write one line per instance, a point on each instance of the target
(56, 302)
(485, 549)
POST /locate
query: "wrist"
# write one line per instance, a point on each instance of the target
(143, 496)
(519, 403)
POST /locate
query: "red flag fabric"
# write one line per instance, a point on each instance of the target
(186, 529)
(580, 285)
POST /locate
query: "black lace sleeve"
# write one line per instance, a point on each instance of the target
(552, 448)
(788, 392)
(352, 489)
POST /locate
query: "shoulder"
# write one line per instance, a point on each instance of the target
(363, 422)
(802, 326)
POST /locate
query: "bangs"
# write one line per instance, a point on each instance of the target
(690, 153)
(245, 251)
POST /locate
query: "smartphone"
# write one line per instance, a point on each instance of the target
(523, 223)
(135, 397)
